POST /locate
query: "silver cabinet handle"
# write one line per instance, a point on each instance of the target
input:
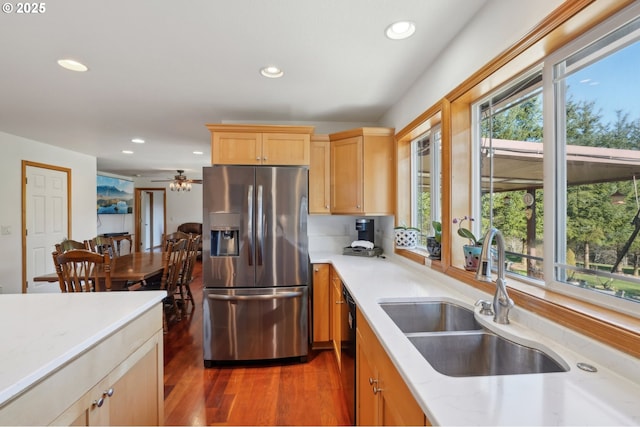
(107, 393)
(316, 270)
(281, 295)
(374, 383)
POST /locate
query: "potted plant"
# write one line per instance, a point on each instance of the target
(434, 243)
(406, 237)
(473, 250)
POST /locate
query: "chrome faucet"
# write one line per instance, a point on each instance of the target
(501, 301)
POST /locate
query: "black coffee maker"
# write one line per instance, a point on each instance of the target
(366, 230)
(365, 245)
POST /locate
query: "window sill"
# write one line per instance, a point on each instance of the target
(615, 329)
(420, 256)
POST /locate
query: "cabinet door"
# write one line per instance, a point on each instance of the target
(346, 175)
(383, 398)
(236, 148)
(378, 175)
(366, 397)
(320, 177)
(135, 398)
(397, 405)
(336, 324)
(285, 149)
(321, 331)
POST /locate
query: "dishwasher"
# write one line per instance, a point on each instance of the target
(348, 353)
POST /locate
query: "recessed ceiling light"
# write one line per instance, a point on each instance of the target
(137, 141)
(72, 65)
(272, 72)
(198, 152)
(400, 30)
(127, 152)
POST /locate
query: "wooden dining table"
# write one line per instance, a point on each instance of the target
(133, 267)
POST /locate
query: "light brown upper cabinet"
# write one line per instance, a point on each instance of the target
(362, 171)
(260, 145)
(320, 175)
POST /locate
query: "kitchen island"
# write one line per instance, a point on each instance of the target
(611, 396)
(82, 358)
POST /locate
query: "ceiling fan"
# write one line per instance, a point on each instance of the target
(180, 182)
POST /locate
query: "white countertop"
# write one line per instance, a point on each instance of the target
(610, 396)
(42, 332)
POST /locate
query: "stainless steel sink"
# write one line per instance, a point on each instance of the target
(430, 316)
(482, 353)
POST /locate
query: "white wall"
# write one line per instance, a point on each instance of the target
(83, 198)
(495, 28)
(181, 207)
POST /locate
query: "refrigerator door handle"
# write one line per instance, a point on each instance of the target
(260, 225)
(250, 222)
(280, 295)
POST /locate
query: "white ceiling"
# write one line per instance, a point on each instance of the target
(160, 70)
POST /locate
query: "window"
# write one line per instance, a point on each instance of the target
(597, 115)
(425, 183)
(509, 164)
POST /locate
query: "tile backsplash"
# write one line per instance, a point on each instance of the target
(331, 233)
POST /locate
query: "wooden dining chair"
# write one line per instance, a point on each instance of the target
(102, 245)
(183, 290)
(68, 244)
(173, 257)
(78, 270)
(174, 237)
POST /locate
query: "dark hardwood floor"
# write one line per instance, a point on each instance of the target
(270, 394)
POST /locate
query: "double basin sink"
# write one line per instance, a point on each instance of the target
(450, 338)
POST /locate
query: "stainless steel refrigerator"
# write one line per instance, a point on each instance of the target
(255, 263)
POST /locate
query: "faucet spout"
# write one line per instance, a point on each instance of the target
(501, 301)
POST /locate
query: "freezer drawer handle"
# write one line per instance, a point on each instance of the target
(281, 295)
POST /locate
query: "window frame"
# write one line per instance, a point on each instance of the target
(554, 164)
(435, 162)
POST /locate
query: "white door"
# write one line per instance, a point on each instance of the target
(46, 223)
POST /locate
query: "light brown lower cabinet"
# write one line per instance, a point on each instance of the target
(119, 381)
(337, 309)
(125, 397)
(321, 313)
(382, 397)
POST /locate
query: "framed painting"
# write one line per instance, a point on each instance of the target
(115, 195)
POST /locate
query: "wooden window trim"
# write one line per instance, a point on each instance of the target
(570, 20)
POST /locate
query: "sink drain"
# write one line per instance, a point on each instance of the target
(587, 367)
